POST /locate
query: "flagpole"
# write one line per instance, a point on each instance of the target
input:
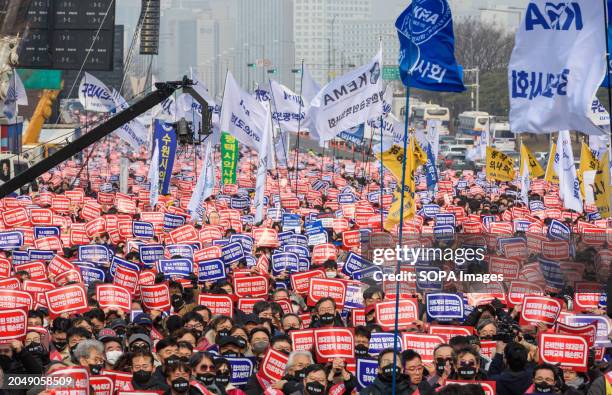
(280, 134)
(297, 149)
(381, 173)
(605, 7)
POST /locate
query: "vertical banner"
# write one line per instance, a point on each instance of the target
(229, 158)
(165, 139)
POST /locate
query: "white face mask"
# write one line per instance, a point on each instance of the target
(113, 356)
(331, 274)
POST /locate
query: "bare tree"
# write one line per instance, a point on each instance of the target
(483, 46)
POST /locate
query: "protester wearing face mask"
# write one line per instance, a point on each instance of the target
(467, 365)
(326, 314)
(259, 339)
(59, 341)
(185, 350)
(291, 322)
(203, 370)
(90, 355)
(16, 359)
(517, 375)
(295, 372)
(223, 374)
(139, 342)
(195, 323)
(177, 378)
(576, 382)
(544, 380)
(231, 346)
(75, 336)
(166, 351)
(112, 346)
(362, 342)
(388, 362)
(486, 329)
(331, 268)
(221, 326)
(142, 366)
(181, 303)
(315, 380)
(444, 355)
(37, 346)
(415, 372)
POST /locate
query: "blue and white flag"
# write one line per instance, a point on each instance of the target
(166, 110)
(569, 187)
(94, 95)
(524, 178)
(165, 138)
(427, 47)
(289, 108)
(15, 95)
(134, 132)
(204, 186)
(154, 178)
(242, 115)
(348, 100)
(265, 154)
(353, 135)
(551, 85)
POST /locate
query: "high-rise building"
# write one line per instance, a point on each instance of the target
(318, 30)
(360, 40)
(264, 37)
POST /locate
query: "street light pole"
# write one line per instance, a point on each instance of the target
(476, 85)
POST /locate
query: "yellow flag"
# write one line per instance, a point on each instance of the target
(392, 159)
(535, 169)
(393, 217)
(588, 162)
(500, 166)
(601, 187)
(419, 155)
(551, 176)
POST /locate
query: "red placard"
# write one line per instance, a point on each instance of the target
(300, 282)
(385, 313)
(50, 243)
(102, 385)
(126, 278)
(15, 299)
(60, 204)
(323, 252)
(507, 267)
(488, 386)
(13, 324)
(273, 365)
(326, 288)
(251, 286)
(519, 289)
(540, 309)
(218, 304)
(37, 286)
(351, 238)
(67, 299)
(589, 332)
(155, 297)
(36, 270)
(448, 331)
(302, 340)
(423, 344)
(96, 226)
(184, 233)
(113, 297)
(72, 275)
(122, 380)
(333, 343)
(246, 304)
(568, 350)
(10, 283)
(79, 383)
(585, 301)
(487, 348)
(59, 265)
(15, 217)
(212, 252)
(266, 237)
(41, 216)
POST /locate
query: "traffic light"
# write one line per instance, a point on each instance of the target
(296, 71)
(251, 65)
(272, 71)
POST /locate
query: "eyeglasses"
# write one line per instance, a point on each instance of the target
(195, 326)
(413, 369)
(548, 380)
(207, 368)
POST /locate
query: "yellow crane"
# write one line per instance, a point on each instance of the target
(41, 114)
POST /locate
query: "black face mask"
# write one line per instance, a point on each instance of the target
(467, 372)
(315, 388)
(60, 345)
(141, 376)
(327, 319)
(206, 378)
(230, 354)
(180, 385)
(223, 332)
(544, 388)
(387, 372)
(361, 351)
(184, 359)
(222, 379)
(301, 374)
(176, 301)
(172, 359)
(198, 333)
(96, 368)
(35, 349)
(440, 366)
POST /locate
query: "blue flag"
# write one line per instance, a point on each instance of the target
(430, 169)
(606, 81)
(165, 139)
(427, 47)
(353, 135)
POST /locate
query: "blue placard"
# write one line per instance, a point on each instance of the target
(557, 230)
(211, 270)
(300, 240)
(501, 243)
(20, 257)
(250, 260)
(231, 253)
(445, 219)
(40, 255)
(304, 264)
(551, 271)
(143, 229)
(367, 371)
(488, 219)
(150, 254)
(91, 274)
(431, 210)
(374, 197)
(181, 250)
(173, 221)
(300, 250)
(536, 205)
(521, 225)
(593, 216)
(319, 185)
(11, 240)
(318, 237)
(84, 264)
(368, 272)
(122, 262)
(240, 203)
(428, 278)
(247, 220)
(354, 262)
(285, 237)
(381, 340)
(291, 221)
(46, 231)
(354, 297)
(94, 253)
(444, 306)
(245, 241)
(313, 227)
(242, 370)
(220, 242)
(285, 261)
(175, 267)
(346, 198)
(444, 232)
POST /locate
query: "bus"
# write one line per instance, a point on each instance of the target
(425, 112)
(472, 123)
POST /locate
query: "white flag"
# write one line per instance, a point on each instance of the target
(15, 96)
(264, 157)
(348, 100)
(154, 177)
(166, 110)
(310, 87)
(205, 185)
(94, 95)
(525, 181)
(242, 115)
(569, 188)
(289, 108)
(557, 65)
(134, 132)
